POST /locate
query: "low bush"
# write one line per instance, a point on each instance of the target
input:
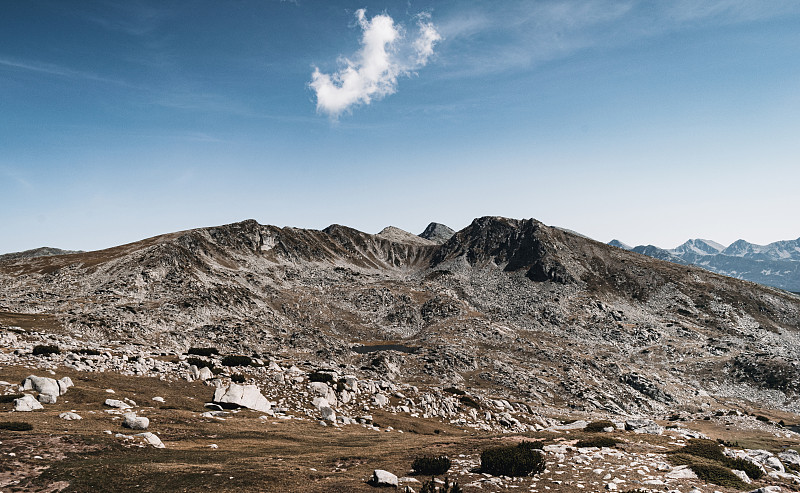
(469, 401)
(431, 466)
(531, 444)
(752, 470)
(455, 391)
(5, 399)
(200, 363)
(16, 426)
(719, 475)
(237, 360)
(763, 419)
(89, 352)
(431, 487)
(45, 350)
(601, 425)
(203, 351)
(237, 378)
(319, 376)
(515, 460)
(598, 442)
(699, 447)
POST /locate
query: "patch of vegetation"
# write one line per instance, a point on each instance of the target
(455, 391)
(203, 351)
(514, 460)
(469, 401)
(531, 444)
(16, 426)
(763, 419)
(5, 399)
(319, 376)
(89, 352)
(430, 487)
(752, 470)
(237, 360)
(200, 363)
(431, 466)
(237, 378)
(596, 426)
(720, 475)
(708, 449)
(598, 442)
(45, 350)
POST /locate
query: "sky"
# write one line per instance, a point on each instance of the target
(649, 122)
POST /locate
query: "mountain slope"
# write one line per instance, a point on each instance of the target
(529, 311)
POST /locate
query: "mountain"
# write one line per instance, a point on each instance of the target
(776, 264)
(36, 252)
(438, 233)
(619, 244)
(507, 307)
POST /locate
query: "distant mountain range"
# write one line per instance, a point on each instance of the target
(37, 252)
(776, 264)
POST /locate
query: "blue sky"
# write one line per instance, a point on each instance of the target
(650, 122)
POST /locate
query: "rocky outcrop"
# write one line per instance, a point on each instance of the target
(235, 395)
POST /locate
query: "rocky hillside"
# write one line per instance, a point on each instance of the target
(514, 308)
(776, 264)
(36, 252)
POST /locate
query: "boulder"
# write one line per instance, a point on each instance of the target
(117, 403)
(328, 414)
(204, 374)
(69, 416)
(135, 422)
(380, 400)
(151, 439)
(242, 396)
(741, 475)
(63, 384)
(47, 398)
(644, 426)
(43, 385)
(27, 403)
(790, 457)
(383, 478)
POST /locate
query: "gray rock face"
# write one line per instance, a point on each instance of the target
(383, 478)
(43, 385)
(437, 232)
(644, 426)
(242, 396)
(27, 403)
(135, 422)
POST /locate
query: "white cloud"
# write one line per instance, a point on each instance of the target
(385, 55)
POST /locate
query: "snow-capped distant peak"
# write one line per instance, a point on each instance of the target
(699, 246)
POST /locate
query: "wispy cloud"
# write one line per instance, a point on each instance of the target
(55, 70)
(385, 55)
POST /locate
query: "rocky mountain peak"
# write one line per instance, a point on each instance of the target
(437, 232)
(398, 235)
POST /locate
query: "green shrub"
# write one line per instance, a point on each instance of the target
(431, 466)
(455, 391)
(699, 447)
(319, 376)
(763, 419)
(531, 444)
(430, 487)
(45, 350)
(469, 401)
(752, 470)
(596, 426)
(15, 426)
(720, 475)
(5, 399)
(599, 441)
(89, 352)
(203, 351)
(236, 360)
(200, 363)
(515, 460)
(237, 378)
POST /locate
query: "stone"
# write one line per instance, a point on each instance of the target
(681, 472)
(741, 475)
(47, 398)
(69, 416)
(135, 422)
(27, 403)
(768, 489)
(204, 374)
(774, 463)
(380, 400)
(242, 396)
(790, 457)
(43, 385)
(383, 478)
(152, 439)
(64, 383)
(117, 404)
(644, 426)
(328, 414)
(158, 399)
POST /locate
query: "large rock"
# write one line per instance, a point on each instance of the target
(45, 386)
(383, 478)
(135, 422)
(117, 403)
(27, 403)
(242, 396)
(644, 426)
(63, 384)
(204, 374)
(152, 439)
(69, 416)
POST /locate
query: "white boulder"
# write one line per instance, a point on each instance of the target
(27, 403)
(383, 478)
(69, 416)
(152, 439)
(243, 396)
(135, 422)
(117, 403)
